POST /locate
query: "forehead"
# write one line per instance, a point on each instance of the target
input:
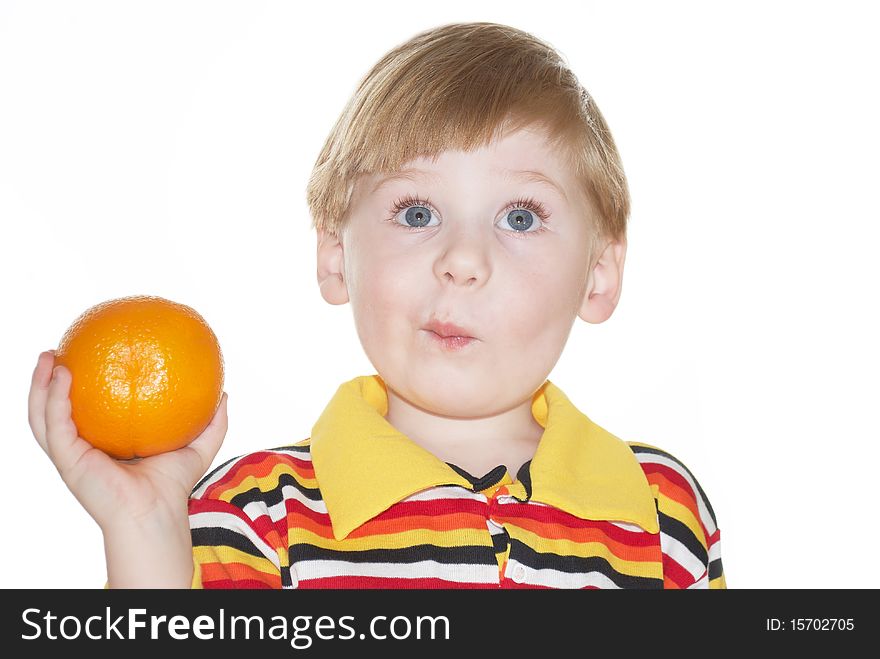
(523, 155)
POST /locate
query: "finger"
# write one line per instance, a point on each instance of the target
(62, 441)
(38, 394)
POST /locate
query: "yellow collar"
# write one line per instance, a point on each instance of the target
(364, 465)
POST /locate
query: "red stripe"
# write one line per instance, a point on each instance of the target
(451, 522)
(675, 477)
(512, 585)
(549, 515)
(434, 507)
(387, 582)
(229, 583)
(712, 539)
(234, 472)
(674, 575)
(672, 475)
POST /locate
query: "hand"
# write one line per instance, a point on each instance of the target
(117, 494)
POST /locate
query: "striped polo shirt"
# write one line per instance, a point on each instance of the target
(360, 505)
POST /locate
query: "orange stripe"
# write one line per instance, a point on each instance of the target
(237, 572)
(262, 469)
(451, 522)
(376, 528)
(559, 532)
(674, 492)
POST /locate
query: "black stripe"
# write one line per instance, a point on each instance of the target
(487, 480)
(678, 530)
(293, 448)
(210, 474)
(468, 554)
(218, 536)
(524, 476)
(652, 451)
(275, 495)
(286, 579)
(578, 565)
(500, 541)
(715, 569)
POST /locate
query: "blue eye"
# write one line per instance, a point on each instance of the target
(521, 215)
(418, 216)
(520, 219)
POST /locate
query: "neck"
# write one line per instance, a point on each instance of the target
(477, 445)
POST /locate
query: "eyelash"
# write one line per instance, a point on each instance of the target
(528, 203)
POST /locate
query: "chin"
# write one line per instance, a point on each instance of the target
(455, 401)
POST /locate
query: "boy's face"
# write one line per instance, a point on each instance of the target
(514, 281)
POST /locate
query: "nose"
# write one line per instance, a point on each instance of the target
(465, 259)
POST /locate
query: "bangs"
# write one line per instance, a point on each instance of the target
(461, 87)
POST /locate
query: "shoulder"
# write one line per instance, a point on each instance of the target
(671, 479)
(690, 537)
(258, 473)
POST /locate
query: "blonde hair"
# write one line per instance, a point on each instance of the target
(458, 86)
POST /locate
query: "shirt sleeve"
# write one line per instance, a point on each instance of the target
(236, 544)
(689, 535)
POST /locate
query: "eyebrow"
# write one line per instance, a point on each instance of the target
(530, 175)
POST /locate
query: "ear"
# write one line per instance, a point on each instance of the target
(604, 284)
(331, 268)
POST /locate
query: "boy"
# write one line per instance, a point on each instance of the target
(470, 204)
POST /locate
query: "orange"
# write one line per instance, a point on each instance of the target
(147, 375)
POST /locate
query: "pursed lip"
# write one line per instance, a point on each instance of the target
(448, 329)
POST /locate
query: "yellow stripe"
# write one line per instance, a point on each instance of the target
(718, 583)
(225, 554)
(402, 540)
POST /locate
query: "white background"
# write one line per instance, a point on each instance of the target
(164, 148)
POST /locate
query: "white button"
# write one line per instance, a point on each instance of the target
(519, 574)
(294, 579)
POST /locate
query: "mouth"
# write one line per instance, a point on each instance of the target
(449, 336)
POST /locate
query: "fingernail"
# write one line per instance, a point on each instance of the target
(55, 373)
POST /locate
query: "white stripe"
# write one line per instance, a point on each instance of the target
(292, 492)
(494, 527)
(701, 504)
(701, 584)
(197, 494)
(462, 573)
(626, 526)
(446, 492)
(278, 511)
(210, 520)
(715, 551)
(681, 555)
(551, 578)
(302, 455)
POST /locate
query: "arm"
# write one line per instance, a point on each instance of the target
(140, 505)
(689, 536)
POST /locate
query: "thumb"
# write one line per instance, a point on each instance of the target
(208, 443)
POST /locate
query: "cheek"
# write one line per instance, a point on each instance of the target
(382, 296)
(540, 306)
